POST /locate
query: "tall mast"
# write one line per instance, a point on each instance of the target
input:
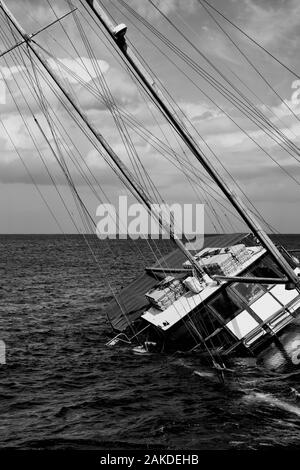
(136, 188)
(117, 33)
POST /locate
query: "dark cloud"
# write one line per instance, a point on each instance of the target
(273, 4)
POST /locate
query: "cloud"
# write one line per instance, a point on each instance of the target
(82, 67)
(98, 77)
(270, 21)
(8, 72)
(258, 174)
(147, 10)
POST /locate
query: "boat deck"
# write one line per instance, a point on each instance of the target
(131, 302)
(186, 303)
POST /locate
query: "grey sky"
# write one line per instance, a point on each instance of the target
(274, 23)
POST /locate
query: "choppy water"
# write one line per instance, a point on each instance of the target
(62, 388)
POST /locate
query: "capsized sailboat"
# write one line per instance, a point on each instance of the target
(227, 311)
(229, 297)
(239, 294)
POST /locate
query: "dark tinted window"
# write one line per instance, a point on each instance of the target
(248, 292)
(222, 340)
(226, 306)
(206, 321)
(266, 268)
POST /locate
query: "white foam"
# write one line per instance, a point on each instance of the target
(273, 401)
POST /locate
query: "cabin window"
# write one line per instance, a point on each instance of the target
(248, 292)
(206, 321)
(222, 340)
(226, 306)
(267, 268)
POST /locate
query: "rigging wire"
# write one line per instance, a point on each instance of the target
(83, 207)
(250, 62)
(281, 166)
(72, 184)
(179, 31)
(253, 40)
(156, 78)
(246, 108)
(190, 169)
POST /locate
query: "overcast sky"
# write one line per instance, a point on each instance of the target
(273, 23)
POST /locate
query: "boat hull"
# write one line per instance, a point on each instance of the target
(284, 351)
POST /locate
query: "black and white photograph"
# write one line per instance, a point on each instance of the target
(149, 230)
